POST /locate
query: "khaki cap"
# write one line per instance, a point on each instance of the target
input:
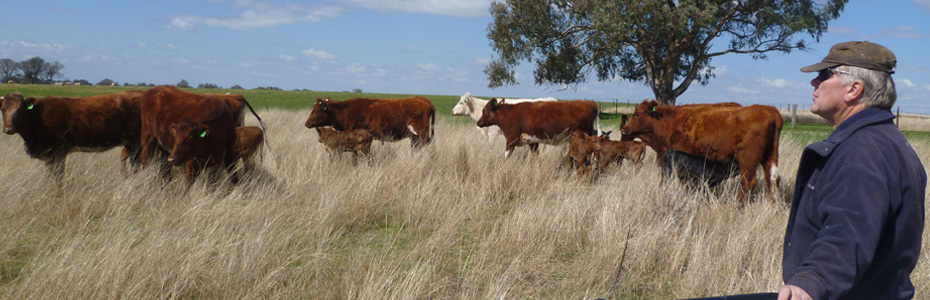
(860, 54)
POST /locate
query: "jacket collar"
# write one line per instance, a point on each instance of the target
(866, 117)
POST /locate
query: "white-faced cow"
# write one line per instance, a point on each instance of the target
(749, 135)
(532, 123)
(52, 127)
(473, 107)
(385, 119)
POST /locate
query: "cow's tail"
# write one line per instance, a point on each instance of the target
(264, 133)
(432, 126)
(597, 120)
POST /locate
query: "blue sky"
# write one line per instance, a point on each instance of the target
(395, 46)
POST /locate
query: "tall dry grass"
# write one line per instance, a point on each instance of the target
(452, 221)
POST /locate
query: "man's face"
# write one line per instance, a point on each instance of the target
(828, 94)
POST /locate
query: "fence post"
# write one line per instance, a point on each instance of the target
(897, 117)
(794, 115)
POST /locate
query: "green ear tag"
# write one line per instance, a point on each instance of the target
(203, 134)
(324, 107)
(30, 106)
(653, 108)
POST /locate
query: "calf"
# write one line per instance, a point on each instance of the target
(615, 151)
(357, 141)
(694, 170)
(248, 141)
(474, 107)
(582, 149)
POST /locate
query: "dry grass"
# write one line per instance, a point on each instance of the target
(452, 221)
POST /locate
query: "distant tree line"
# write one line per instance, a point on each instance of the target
(38, 71)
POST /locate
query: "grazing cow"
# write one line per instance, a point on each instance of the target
(695, 170)
(248, 141)
(473, 107)
(749, 135)
(385, 119)
(531, 123)
(615, 151)
(582, 149)
(194, 129)
(357, 141)
(52, 127)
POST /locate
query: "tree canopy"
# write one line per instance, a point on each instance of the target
(660, 42)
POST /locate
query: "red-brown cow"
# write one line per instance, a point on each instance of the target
(52, 127)
(194, 129)
(385, 119)
(748, 135)
(615, 151)
(531, 123)
(658, 145)
(357, 141)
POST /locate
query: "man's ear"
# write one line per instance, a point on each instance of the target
(854, 91)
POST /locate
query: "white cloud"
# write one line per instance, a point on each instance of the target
(427, 67)
(923, 3)
(259, 16)
(317, 54)
(907, 83)
(907, 32)
(742, 90)
(44, 47)
(287, 57)
(355, 69)
(457, 8)
(776, 83)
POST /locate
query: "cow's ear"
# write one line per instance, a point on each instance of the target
(651, 108)
(493, 103)
(30, 103)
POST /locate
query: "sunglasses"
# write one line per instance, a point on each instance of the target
(825, 74)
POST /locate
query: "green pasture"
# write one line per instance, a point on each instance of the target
(298, 100)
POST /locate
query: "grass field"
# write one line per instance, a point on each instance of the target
(454, 220)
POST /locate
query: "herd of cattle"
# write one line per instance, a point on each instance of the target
(164, 125)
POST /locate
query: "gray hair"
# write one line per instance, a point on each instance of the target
(879, 86)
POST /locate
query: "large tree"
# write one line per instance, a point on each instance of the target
(51, 71)
(660, 42)
(32, 69)
(8, 69)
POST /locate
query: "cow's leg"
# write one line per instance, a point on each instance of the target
(535, 148)
(748, 180)
(192, 170)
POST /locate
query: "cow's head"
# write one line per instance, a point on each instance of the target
(321, 115)
(465, 106)
(643, 119)
(14, 105)
(489, 114)
(189, 139)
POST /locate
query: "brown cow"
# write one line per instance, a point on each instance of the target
(385, 119)
(615, 151)
(582, 149)
(52, 127)
(194, 129)
(357, 141)
(748, 135)
(658, 145)
(531, 123)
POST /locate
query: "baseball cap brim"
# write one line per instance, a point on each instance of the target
(818, 66)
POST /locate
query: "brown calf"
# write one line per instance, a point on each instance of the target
(357, 141)
(615, 151)
(582, 149)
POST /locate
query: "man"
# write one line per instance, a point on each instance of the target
(857, 215)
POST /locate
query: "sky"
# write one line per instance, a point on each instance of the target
(426, 47)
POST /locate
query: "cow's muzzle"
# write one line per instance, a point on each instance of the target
(8, 130)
